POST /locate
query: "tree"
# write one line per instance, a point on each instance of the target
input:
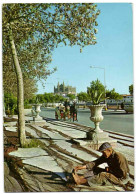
(131, 89)
(82, 96)
(57, 98)
(10, 84)
(49, 97)
(71, 96)
(10, 102)
(40, 98)
(96, 91)
(34, 30)
(114, 95)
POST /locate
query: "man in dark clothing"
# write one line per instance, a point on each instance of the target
(66, 103)
(116, 172)
(73, 111)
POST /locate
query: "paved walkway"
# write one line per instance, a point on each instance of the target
(46, 168)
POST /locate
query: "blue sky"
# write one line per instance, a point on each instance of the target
(113, 51)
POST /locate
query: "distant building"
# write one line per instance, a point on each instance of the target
(126, 98)
(63, 90)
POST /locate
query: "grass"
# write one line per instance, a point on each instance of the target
(33, 143)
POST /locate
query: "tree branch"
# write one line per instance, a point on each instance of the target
(14, 19)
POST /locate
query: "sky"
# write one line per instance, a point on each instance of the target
(113, 54)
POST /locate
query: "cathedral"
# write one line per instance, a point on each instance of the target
(63, 90)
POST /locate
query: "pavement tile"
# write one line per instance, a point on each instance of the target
(28, 152)
(45, 163)
(13, 129)
(67, 131)
(10, 124)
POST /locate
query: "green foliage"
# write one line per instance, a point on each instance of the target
(71, 96)
(47, 98)
(61, 99)
(27, 104)
(50, 97)
(39, 98)
(58, 98)
(39, 28)
(10, 102)
(10, 81)
(96, 92)
(34, 143)
(131, 89)
(113, 95)
(32, 100)
(34, 31)
(83, 96)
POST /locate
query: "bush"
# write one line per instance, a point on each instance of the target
(10, 102)
(27, 105)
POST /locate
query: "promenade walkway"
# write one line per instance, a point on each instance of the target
(63, 145)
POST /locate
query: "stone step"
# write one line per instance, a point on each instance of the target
(67, 156)
(62, 142)
(118, 137)
(58, 139)
(120, 134)
(39, 180)
(66, 146)
(39, 158)
(126, 143)
(10, 124)
(115, 135)
(127, 152)
(82, 142)
(73, 133)
(68, 124)
(13, 129)
(52, 135)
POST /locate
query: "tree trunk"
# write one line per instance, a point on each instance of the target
(20, 91)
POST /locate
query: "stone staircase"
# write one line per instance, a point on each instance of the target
(63, 148)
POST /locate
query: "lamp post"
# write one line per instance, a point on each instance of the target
(104, 82)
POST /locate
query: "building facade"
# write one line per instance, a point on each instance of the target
(126, 98)
(64, 90)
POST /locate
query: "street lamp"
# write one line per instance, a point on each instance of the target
(104, 81)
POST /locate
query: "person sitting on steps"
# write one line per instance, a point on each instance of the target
(116, 173)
